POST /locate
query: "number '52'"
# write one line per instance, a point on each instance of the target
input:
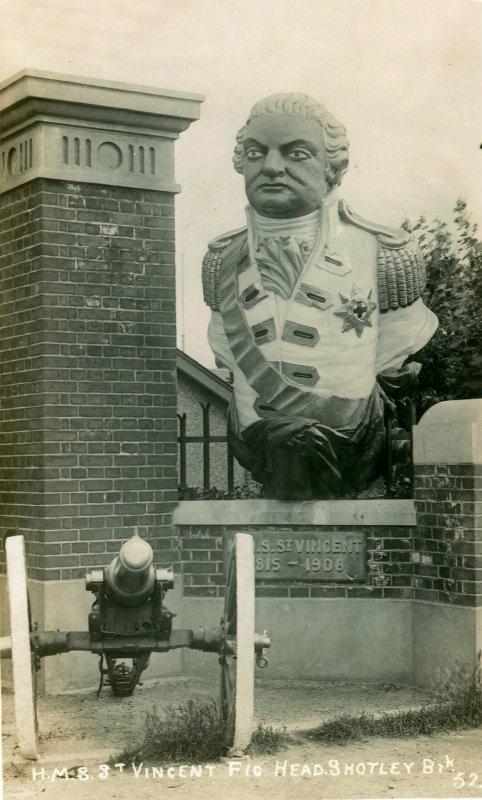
(459, 780)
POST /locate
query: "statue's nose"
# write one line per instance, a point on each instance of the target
(273, 163)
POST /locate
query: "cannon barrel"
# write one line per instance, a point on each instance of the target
(130, 577)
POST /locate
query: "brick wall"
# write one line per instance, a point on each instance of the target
(448, 544)
(438, 560)
(88, 372)
(390, 566)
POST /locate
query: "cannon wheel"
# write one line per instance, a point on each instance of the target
(23, 657)
(237, 657)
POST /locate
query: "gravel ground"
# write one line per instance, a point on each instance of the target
(79, 730)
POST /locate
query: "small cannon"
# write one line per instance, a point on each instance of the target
(129, 620)
(129, 607)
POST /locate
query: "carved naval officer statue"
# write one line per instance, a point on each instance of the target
(314, 309)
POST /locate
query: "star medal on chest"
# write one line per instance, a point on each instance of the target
(356, 310)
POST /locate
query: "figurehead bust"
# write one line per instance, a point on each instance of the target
(314, 310)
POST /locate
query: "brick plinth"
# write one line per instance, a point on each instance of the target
(88, 372)
(389, 536)
(448, 544)
(389, 564)
(448, 496)
(87, 318)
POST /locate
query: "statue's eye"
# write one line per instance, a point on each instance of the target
(299, 155)
(253, 153)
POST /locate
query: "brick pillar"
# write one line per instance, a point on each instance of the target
(88, 318)
(448, 556)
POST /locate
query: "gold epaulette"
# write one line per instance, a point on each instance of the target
(400, 268)
(212, 265)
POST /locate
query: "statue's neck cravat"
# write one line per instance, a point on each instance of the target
(281, 247)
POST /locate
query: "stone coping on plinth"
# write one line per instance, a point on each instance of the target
(65, 127)
(450, 433)
(260, 511)
(56, 92)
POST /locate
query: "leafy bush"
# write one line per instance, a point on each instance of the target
(452, 360)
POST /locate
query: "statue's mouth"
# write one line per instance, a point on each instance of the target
(273, 186)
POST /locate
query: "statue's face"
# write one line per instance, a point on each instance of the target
(284, 165)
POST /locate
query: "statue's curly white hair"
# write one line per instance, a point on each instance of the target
(334, 132)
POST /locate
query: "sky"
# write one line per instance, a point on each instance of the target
(403, 75)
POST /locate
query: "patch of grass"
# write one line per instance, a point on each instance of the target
(457, 703)
(461, 688)
(267, 740)
(192, 732)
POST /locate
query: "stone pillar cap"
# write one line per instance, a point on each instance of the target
(57, 94)
(453, 411)
(450, 433)
(84, 130)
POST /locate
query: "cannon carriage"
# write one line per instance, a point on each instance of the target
(129, 621)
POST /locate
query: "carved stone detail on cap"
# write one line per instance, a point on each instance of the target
(17, 158)
(68, 128)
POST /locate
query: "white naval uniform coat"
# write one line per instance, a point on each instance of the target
(312, 337)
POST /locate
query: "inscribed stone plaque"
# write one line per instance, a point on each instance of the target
(310, 555)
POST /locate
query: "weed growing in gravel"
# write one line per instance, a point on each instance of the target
(192, 732)
(457, 703)
(461, 688)
(267, 740)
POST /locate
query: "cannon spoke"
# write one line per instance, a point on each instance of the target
(230, 598)
(237, 655)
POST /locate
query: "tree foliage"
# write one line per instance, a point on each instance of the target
(452, 360)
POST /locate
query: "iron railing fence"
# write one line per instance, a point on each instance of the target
(206, 439)
(395, 438)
